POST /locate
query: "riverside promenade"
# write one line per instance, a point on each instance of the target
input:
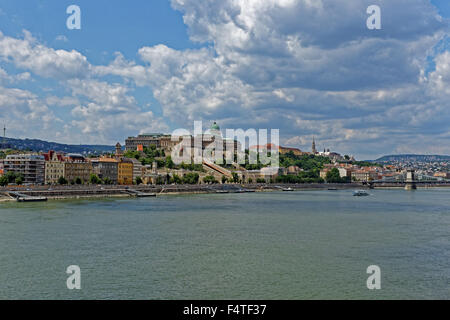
(95, 191)
(105, 191)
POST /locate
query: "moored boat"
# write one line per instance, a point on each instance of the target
(360, 193)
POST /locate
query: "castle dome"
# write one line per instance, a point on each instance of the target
(215, 127)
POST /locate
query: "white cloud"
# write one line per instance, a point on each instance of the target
(19, 108)
(61, 38)
(107, 112)
(440, 78)
(310, 68)
(5, 77)
(28, 54)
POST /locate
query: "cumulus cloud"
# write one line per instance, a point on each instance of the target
(29, 54)
(310, 68)
(7, 78)
(19, 107)
(440, 78)
(100, 111)
(303, 66)
(107, 111)
(316, 44)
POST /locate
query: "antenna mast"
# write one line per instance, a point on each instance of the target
(4, 135)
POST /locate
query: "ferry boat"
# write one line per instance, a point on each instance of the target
(288, 189)
(360, 193)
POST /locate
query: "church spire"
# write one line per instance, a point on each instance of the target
(313, 149)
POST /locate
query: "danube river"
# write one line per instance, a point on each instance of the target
(264, 245)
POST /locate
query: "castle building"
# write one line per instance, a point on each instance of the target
(164, 142)
(159, 140)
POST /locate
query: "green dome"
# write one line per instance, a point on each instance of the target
(215, 127)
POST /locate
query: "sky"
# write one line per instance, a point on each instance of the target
(310, 68)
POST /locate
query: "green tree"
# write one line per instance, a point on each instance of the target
(78, 180)
(133, 154)
(4, 181)
(138, 180)
(19, 180)
(224, 179)
(176, 179)
(159, 180)
(209, 180)
(94, 179)
(235, 177)
(62, 180)
(169, 163)
(333, 176)
(107, 180)
(191, 178)
(11, 176)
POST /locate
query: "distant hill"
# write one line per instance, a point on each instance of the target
(413, 158)
(44, 146)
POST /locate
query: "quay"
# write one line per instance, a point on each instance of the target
(42, 193)
(140, 194)
(21, 197)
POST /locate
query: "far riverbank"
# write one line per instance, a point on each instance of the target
(105, 191)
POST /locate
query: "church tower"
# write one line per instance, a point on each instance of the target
(313, 149)
(119, 152)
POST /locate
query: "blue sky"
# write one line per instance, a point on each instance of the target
(307, 68)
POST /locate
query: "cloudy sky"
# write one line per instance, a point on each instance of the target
(306, 67)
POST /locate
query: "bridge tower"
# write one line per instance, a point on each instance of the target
(410, 180)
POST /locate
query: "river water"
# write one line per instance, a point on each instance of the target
(271, 245)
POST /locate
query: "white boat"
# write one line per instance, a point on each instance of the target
(360, 193)
(288, 189)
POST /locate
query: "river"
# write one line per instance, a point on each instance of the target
(264, 245)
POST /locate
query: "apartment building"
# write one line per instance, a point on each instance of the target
(54, 167)
(137, 169)
(76, 166)
(31, 166)
(125, 171)
(106, 168)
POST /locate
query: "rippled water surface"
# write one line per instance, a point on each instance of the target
(277, 245)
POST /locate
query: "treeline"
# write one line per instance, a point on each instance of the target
(307, 162)
(188, 178)
(302, 177)
(11, 177)
(152, 154)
